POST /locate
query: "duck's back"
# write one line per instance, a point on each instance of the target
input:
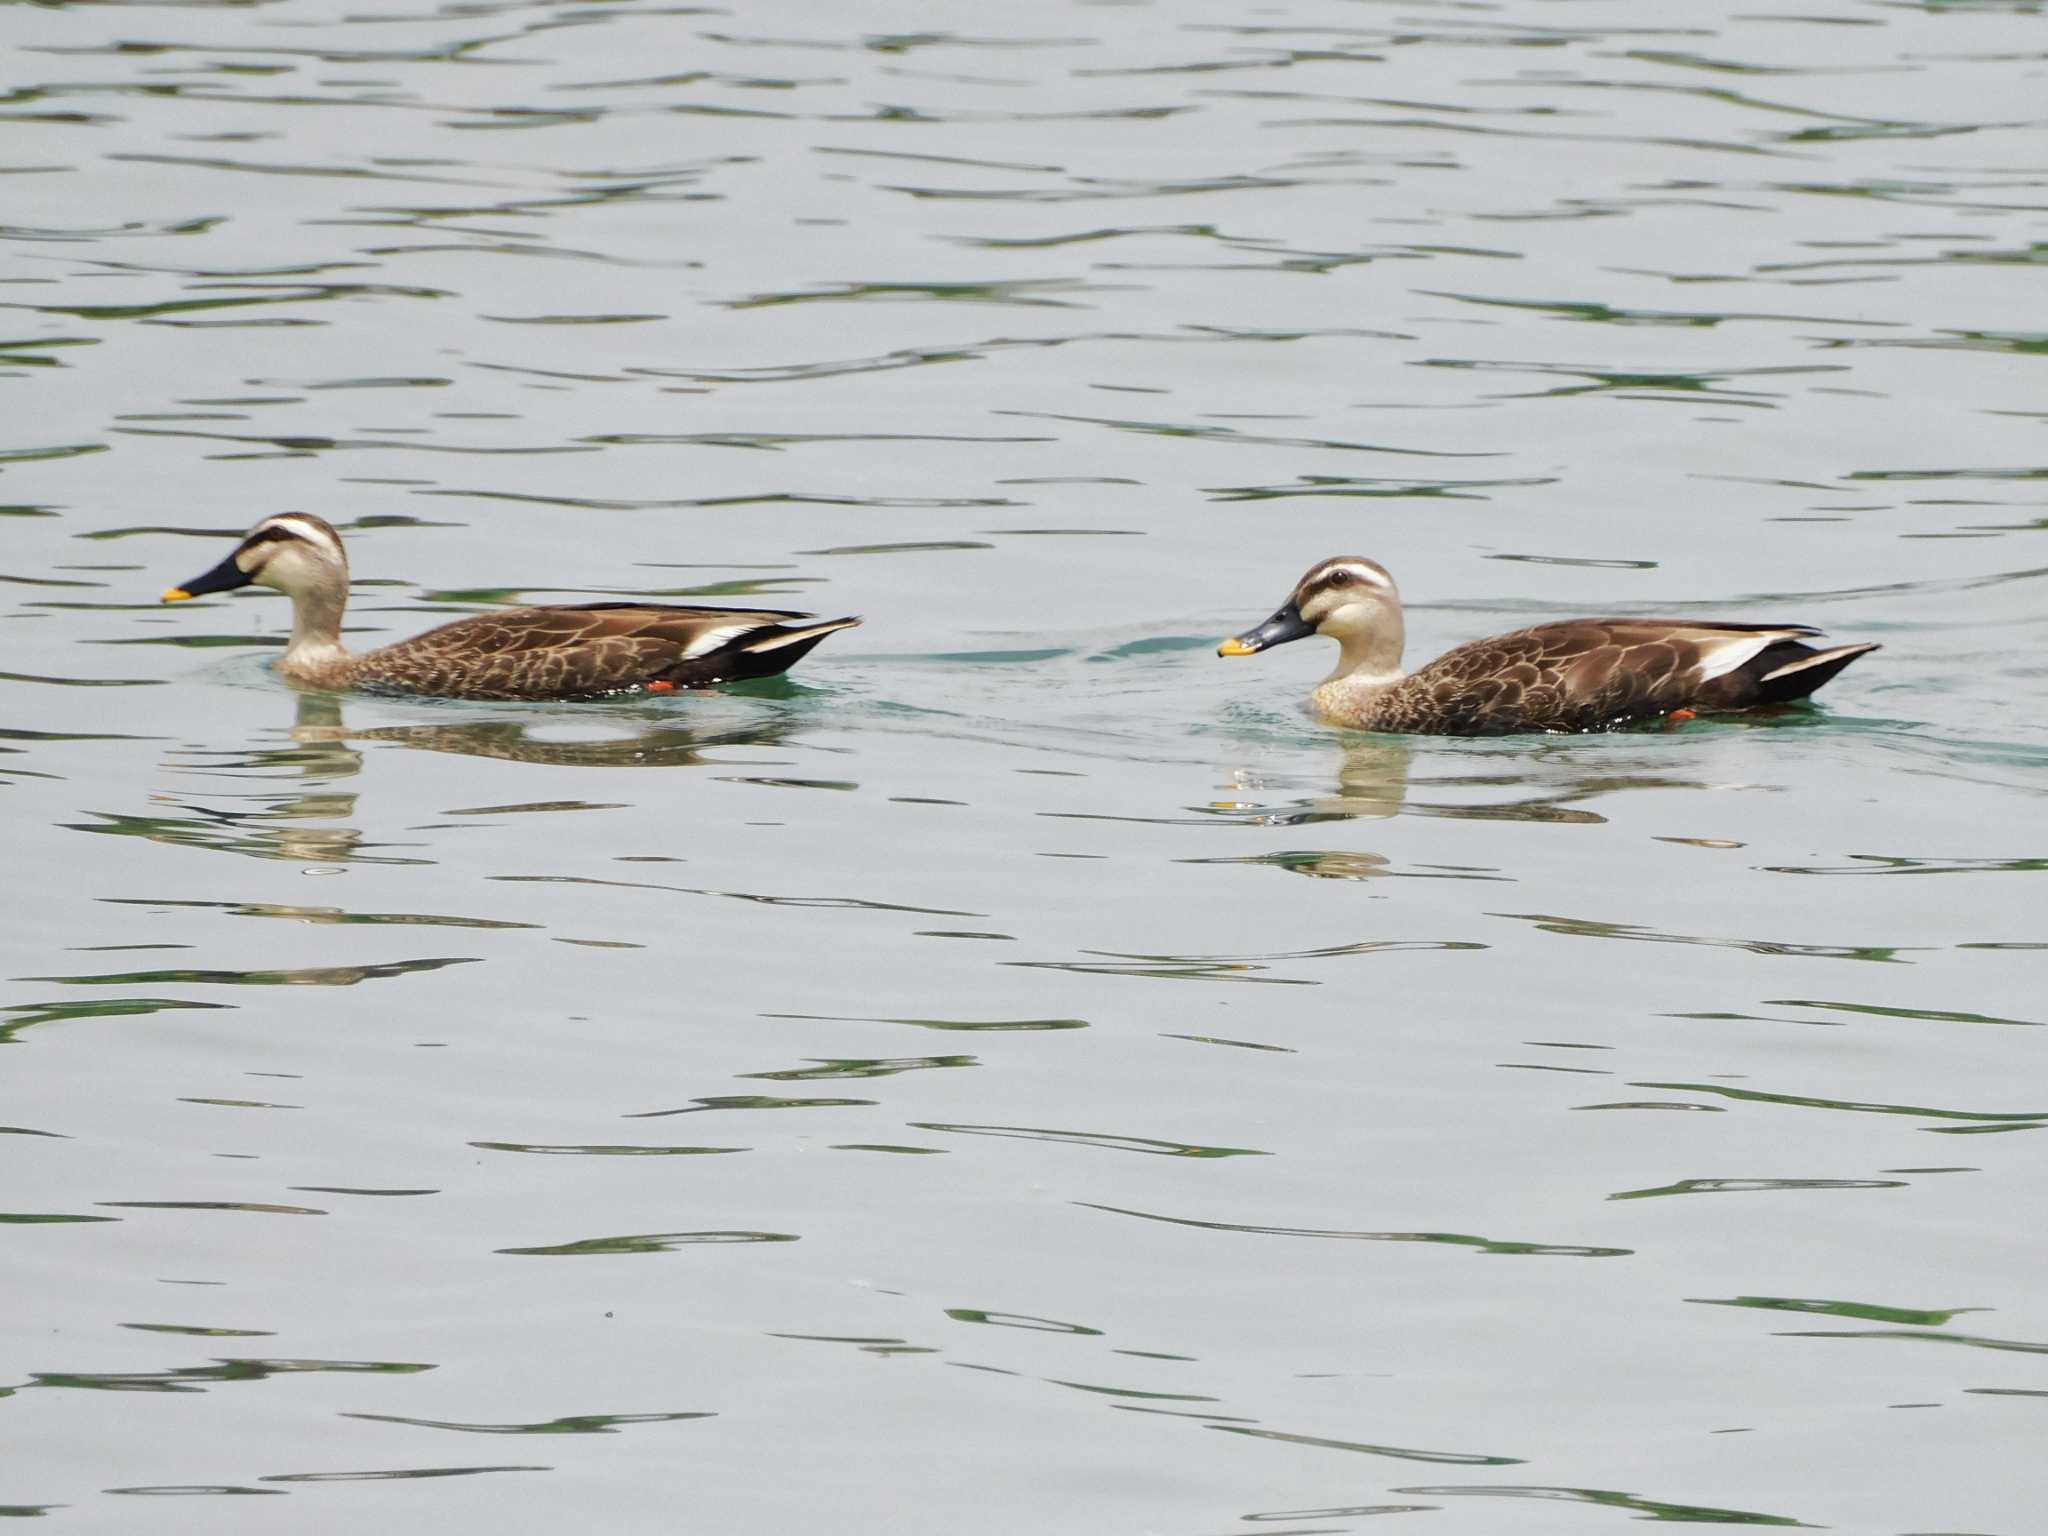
(580, 650)
(1591, 674)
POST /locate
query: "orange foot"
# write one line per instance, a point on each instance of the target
(661, 687)
(1679, 717)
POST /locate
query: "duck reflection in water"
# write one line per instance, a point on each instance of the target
(1394, 776)
(1372, 784)
(291, 800)
(276, 801)
(636, 744)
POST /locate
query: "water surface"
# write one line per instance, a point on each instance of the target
(1020, 1072)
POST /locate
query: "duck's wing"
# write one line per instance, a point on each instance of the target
(1582, 674)
(591, 648)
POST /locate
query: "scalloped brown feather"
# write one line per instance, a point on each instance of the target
(1592, 674)
(583, 650)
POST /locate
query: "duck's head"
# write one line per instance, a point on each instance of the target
(1347, 597)
(295, 552)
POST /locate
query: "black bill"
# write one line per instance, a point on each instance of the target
(1286, 625)
(224, 577)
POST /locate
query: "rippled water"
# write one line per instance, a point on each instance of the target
(922, 1094)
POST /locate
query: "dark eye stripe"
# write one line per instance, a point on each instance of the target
(1345, 576)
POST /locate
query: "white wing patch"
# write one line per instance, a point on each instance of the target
(707, 641)
(1726, 655)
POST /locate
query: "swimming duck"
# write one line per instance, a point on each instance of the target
(571, 651)
(1574, 675)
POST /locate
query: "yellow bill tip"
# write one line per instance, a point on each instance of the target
(1236, 647)
(175, 595)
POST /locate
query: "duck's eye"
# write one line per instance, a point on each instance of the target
(1340, 578)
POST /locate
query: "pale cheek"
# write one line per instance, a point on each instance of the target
(1348, 619)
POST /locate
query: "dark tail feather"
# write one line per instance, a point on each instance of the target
(766, 655)
(796, 638)
(1794, 671)
(760, 653)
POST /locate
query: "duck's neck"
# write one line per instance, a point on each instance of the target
(1372, 656)
(1368, 664)
(315, 653)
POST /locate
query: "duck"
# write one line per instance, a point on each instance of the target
(565, 651)
(1574, 675)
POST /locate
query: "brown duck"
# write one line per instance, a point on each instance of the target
(577, 650)
(1575, 675)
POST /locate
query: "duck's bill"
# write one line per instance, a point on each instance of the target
(224, 577)
(1286, 625)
